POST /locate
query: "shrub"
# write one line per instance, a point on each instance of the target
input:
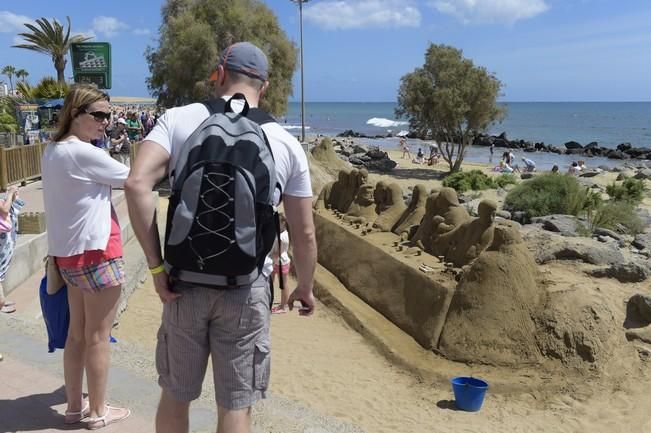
(548, 194)
(631, 190)
(617, 215)
(476, 180)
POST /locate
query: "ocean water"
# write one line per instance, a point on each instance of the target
(607, 123)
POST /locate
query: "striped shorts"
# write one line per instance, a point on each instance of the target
(94, 278)
(230, 326)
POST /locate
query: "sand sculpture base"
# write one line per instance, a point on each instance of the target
(391, 282)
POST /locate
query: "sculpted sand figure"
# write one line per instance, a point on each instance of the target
(449, 214)
(424, 231)
(491, 317)
(414, 213)
(464, 244)
(331, 192)
(394, 206)
(362, 210)
(346, 194)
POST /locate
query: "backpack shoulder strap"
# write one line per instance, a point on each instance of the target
(217, 105)
(259, 116)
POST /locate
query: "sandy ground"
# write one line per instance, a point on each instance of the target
(324, 364)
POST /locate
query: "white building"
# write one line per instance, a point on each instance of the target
(4, 90)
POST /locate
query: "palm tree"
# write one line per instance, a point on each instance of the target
(9, 71)
(21, 73)
(51, 39)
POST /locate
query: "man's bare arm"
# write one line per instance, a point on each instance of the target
(298, 211)
(149, 168)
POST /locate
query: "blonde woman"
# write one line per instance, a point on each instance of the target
(84, 237)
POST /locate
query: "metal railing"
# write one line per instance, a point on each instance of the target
(19, 164)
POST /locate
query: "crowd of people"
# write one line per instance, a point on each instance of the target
(432, 158)
(86, 159)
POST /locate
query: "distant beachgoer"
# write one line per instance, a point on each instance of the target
(511, 160)
(574, 168)
(9, 209)
(530, 166)
(420, 156)
(581, 166)
(405, 148)
(555, 169)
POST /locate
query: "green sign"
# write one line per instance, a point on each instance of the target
(91, 63)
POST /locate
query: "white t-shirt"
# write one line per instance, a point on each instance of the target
(292, 169)
(77, 181)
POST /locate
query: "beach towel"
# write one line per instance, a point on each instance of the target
(8, 239)
(56, 314)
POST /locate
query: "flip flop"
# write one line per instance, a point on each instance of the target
(8, 308)
(75, 417)
(113, 414)
(278, 310)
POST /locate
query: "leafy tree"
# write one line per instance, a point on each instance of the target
(49, 88)
(192, 35)
(25, 91)
(51, 39)
(8, 121)
(9, 71)
(22, 73)
(449, 99)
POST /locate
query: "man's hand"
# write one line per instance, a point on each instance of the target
(162, 286)
(305, 297)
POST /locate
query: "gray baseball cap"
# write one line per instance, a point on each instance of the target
(245, 58)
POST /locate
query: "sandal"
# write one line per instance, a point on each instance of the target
(75, 417)
(278, 310)
(8, 308)
(112, 414)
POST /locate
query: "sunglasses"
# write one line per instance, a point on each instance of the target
(100, 116)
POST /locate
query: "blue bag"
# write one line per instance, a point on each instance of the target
(56, 314)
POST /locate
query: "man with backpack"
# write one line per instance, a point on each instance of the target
(229, 165)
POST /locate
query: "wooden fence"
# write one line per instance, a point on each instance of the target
(22, 163)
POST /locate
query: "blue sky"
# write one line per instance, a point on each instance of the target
(357, 50)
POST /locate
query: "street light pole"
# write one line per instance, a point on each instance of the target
(300, 13)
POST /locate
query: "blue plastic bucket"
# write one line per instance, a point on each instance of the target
(469, 393)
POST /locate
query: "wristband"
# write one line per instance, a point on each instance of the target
(157, 270)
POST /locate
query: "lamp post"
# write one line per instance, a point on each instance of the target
(300, 13)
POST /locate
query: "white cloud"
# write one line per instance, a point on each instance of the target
(355, 14)
(490, 11)
(108, 26)
(141, 32)
(87, 33)
(10, 22)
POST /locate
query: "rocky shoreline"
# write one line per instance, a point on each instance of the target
(623, 151)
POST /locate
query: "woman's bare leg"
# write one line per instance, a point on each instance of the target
(75, 350)
(100, 309)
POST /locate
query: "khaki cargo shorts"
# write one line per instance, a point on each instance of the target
(231, 326)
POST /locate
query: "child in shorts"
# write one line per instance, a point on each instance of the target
(282, 262)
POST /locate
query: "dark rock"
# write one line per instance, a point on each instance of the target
(355, 161)
(643, 174)
(609, 233)
(573, 145)
(592, 145)
(589, 174)
(642, 241)
(616, 154)
(519, 216)
(574, 151)
(504, 214)
(621, 176)
(566, 225)
(383, 165)
(623, 272)
(357, 148)
(638, 311)
(547, 246)
(377, 154)
(623, 147)
(524, 176)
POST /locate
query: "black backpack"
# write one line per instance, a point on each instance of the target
(222, 219)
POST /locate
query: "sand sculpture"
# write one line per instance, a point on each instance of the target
(491, 317)
(414, 213)
(340, 194)
(390, 206)
(424, 230)
(362, 210)
(464, 244)
(449, 214)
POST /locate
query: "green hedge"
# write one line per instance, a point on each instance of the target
(476, 180)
